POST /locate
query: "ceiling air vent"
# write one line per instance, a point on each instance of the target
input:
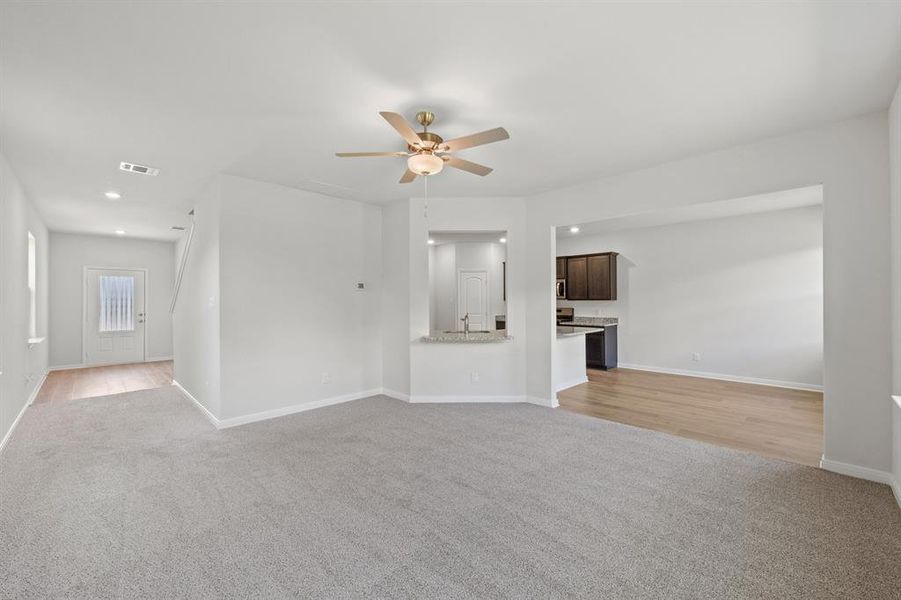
(141, 169)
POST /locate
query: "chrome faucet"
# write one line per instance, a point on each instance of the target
(465, 320)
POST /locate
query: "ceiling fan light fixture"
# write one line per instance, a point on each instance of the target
(425, 164)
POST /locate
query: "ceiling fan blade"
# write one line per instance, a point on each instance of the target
(477, 139)
(402, 127)
(465, 165)
(408, 177)
(355, 154)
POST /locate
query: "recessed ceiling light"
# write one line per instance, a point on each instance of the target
(113, 195)
(120, 232)
(431, 242)
(574, 229)
(503, 240)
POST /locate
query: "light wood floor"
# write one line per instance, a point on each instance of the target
(72, 384)
(770, 421)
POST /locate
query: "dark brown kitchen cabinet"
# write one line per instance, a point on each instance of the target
(577, 278)
(602, 277)
(561, 267)
(591, 276)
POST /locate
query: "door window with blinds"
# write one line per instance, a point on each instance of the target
(117, 303)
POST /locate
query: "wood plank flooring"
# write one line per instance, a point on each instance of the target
(770, 421)
(72, 384)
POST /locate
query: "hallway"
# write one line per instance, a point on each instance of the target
(90, 382)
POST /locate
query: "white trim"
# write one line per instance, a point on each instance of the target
(573, 383)
(12, 427)
(466, 399)
(395, 395)
(552, 403)
(90, 365)
(37, 388)
(896, 477)
(84, 310)
(856, 471)
(791, 385)
(210, 416)
(290, 410)
(469, 399)
(276, 412)
(182, 262)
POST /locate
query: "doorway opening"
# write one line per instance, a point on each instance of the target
(114, 340)
(717, 314)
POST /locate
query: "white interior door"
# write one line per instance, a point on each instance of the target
(114, 316)
(472, 289)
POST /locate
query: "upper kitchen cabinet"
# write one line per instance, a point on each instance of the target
(576, 278)
(602, 276)
(591, 276)
(561, 267)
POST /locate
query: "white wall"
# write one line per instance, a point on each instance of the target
(196, 318)
(443, 372)
(850, 160)
(396, 295)
(22, 368)
(70, 253)
(444, 262)
(289, 264)
(745, 292)
(895, 154)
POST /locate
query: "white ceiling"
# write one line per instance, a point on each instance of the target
(782, 200)
(271, 91)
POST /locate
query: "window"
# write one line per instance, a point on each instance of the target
(32, 287)
(117, 303)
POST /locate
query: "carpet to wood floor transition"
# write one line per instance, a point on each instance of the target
(137, 496)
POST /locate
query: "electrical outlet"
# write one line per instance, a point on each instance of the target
(696, 356)
(474, 377)
(325, 377)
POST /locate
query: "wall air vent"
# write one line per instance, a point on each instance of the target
(141, 169)
(178, 228)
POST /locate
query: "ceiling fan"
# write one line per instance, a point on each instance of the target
(428, 152)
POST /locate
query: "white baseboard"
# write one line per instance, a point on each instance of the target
(857, 471)
(466, 399)
(31, 397)
(37, 388)
(12, 427)
(210, 416)
(550, 403)
(469, 399)
(277, 412)
(90, 365)
(396, 395)
(792, 385)
(896, 488)
(68, 367)
(290, 410)
(574, 383)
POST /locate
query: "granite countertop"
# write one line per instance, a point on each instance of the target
(564, 331)
(594, 321)
(458, 337)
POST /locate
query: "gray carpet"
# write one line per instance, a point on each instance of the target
(136, 495)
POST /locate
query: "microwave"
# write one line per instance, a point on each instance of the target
(561, 288)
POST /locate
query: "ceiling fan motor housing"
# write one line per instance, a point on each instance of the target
(431, 140)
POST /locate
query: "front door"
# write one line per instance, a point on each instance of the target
(473, 299)
(114, 316)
